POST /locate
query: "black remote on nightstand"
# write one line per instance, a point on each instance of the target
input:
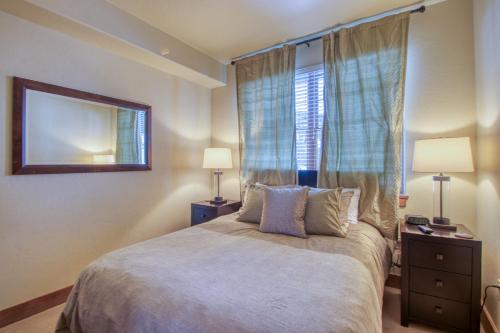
(425, 230)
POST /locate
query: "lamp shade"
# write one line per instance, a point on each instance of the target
(443, 155)
(217, 158)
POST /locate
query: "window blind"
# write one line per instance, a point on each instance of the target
(141, 131)
(309, 116)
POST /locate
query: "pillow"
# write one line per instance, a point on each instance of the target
(251, 210)
(326, 212)
(284, 210)
(345, 203)
(352, 215)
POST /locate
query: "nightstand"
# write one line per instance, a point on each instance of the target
(440, 279)
(204, 211)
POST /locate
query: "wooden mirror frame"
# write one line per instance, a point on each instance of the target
(19, 166)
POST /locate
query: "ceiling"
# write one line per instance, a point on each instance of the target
(224, 29)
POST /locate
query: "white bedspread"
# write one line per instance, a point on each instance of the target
(226, 276)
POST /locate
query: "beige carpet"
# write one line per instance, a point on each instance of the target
(45, 322)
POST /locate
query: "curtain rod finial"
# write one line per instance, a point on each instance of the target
(420, 9)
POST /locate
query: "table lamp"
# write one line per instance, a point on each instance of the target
(217, 158)
(441, 156)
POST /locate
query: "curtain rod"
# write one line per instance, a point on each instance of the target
(318, 35)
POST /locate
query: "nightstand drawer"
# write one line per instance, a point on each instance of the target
(440, 284)
(438, 311)
(201, 215)
(203, 211)
(450, 258)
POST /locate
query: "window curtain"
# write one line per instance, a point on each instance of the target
(127, 138)
(364, 89)
(266, 112)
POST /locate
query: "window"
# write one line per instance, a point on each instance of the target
(309, 112)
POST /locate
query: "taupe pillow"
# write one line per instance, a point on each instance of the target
(251, 211)
(327, 212)
(284, 210)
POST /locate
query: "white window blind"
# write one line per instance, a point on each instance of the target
(141, 126)
(309, 116)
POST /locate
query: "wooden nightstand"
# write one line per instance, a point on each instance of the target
(204, 211)
(440, 279)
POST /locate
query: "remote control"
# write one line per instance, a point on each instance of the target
(463, 235)
(425, 230)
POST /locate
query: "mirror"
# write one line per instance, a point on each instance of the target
(61, 130)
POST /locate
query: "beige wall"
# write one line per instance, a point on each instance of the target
(101, 24)
(439, 100)
(309, 55)
(225, 131)
(487, 42)
(51, 226)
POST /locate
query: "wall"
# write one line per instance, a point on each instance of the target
(440, 100)
(487, 44)
(62, 130)
(225, 132)
(74, 218)
(101, 24)
(309, 55)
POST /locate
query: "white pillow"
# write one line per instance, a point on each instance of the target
(352, 214)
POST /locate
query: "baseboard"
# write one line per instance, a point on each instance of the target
(33, 306)
(393, 281)
(487, 322)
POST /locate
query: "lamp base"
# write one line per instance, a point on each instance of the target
(441, 220)
(218, 201)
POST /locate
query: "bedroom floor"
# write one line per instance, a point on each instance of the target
(44, 322)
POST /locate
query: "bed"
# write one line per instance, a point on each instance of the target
(226, 276)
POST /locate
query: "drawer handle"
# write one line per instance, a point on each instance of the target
(439, 283)
(439, 257)
(438, 310)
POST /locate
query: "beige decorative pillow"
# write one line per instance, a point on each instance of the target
(327, 212)
(284, 210)
(251, 211)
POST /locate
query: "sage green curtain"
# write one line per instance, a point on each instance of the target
(127, 138)
(364, 89)
(266, 112)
